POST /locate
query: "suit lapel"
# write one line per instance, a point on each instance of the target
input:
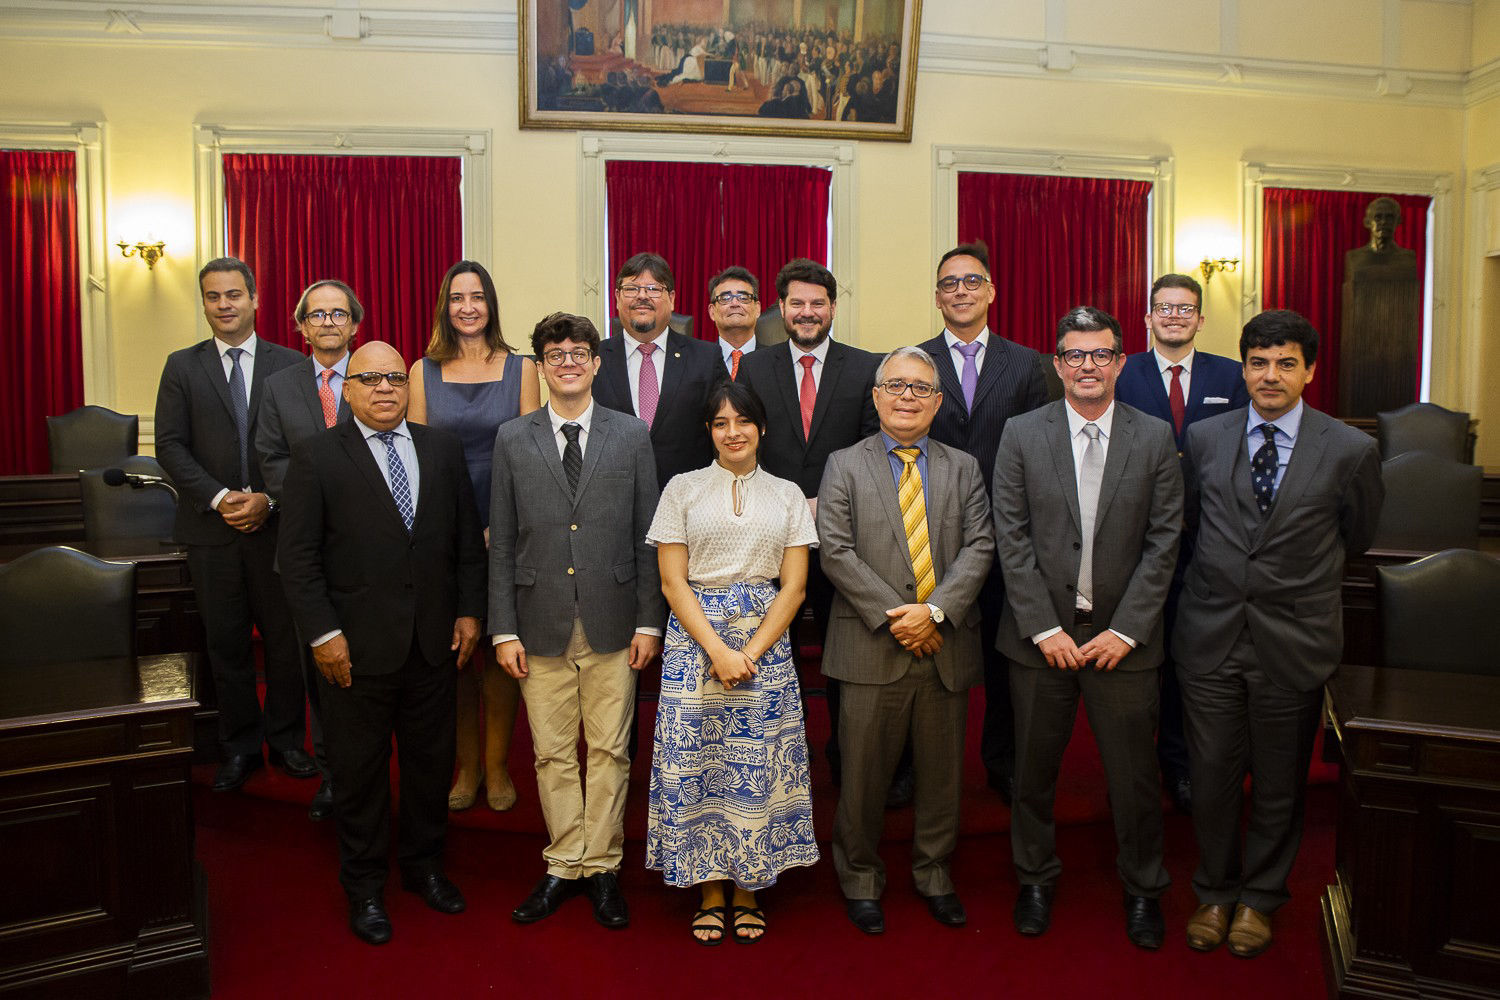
(782, 373)
(358, 450)
(948, 376)
(213, 368)
(616, 371)
(1116, 461)
(1060, 449)
(1160, 403)
(673, 360)
(600, 428)
(937, 483)
(546, 443)
(307, 391)
(989, 373)
(833, 366)
(1307, 458)
(263, 352)
(426, 472)
(1244, 495)
(878, 467)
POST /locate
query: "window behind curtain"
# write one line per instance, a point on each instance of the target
(41, 327)
(704, 217)
(1059, 242)
(388, 226)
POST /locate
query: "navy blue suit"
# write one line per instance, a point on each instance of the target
(1217, 386)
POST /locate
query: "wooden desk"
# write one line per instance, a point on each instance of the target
(41, 510)
(102, 896)
(1418, 858)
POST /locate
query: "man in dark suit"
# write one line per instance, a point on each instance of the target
(382, 558)
(301, 401)
(1088, 509)
(1278, 495)
(986, 380)
(656, 373)
(206, 416)
(819, 399)
(1181, 385)
(734, 307)
(905, 534)
(576, 607)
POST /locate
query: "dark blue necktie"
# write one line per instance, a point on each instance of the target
(239, 405)
(400, 488)
(1263, 467)
(572, 458)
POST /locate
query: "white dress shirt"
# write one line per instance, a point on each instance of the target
(983, 340)
(725, 347)
(1165, 367)
(819, 354)
(633, 359)
(247, 368)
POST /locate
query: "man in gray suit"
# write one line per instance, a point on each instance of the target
(905, 535)
(301, 401)
(575, 606)
(1278, 495)
(1088, 509)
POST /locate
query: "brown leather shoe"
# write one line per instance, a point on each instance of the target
(1250, 934)
(1206, 929)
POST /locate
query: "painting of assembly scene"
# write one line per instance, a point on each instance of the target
(784, 67)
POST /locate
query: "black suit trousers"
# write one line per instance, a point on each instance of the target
(416, 704)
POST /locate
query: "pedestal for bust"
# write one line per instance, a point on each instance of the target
(1381, 342)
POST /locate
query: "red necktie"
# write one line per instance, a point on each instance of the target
(1174, 398)
(809, 394)
(325, 396)
(649, 389)
(734, 363)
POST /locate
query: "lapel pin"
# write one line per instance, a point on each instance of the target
(676, 354)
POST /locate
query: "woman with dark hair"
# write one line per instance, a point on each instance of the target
(730, 801)
(471, 382)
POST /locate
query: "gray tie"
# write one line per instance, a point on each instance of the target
(1090, 476)
(239, 403)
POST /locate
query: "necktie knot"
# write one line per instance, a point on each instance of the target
(1176, 370)
(234, 353)
(647, 349)
(386, 437)
(1269, 430)
(327, 376)
(807, 361)
(969, 350)
(1091, 431)
(907, 455)
(571, 431)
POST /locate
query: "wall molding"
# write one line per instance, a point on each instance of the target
(86, 141)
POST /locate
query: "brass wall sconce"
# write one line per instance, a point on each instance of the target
(148, 252)
(1211, 266)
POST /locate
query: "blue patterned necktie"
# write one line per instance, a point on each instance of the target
(239, 405)
(1263, 469)
(400, 488)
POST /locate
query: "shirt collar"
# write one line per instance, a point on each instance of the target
(891, 444)
(341, 366)
(583, 419)
(1288, 423)
(660, 341)
(248, 345)
(983, 340)
(1163, 364)
(820, 352)
(726, 347)
(1076, 420)
(399, 430)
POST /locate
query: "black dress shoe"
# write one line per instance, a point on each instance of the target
(321, 806)
(296, 762)
(1003, 784)
(903, 789)
(368, 921)
(1181, 790)
(235, 771)
(436, 891)
(550, 893)
(866, 914)
(1033, 909)
(947, 909)
(1143, 922)
(609, 903)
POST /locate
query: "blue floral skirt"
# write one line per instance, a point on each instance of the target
(730, 793)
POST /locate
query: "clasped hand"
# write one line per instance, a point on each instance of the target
(913, 627)
(731, 666)
(1104, 651)
(244, 511)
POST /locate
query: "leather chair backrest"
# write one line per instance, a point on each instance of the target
(58, 604)
(92, 437)
(1431, 503)
(114, 514)
(1423, 427)
(1439, 613)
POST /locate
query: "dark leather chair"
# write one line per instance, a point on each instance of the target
(1431, 503)
(59, 604)
(92, 437)
(122, 514)
(678, 322)
(1423, 427)
(1439, 613)
(770, 328)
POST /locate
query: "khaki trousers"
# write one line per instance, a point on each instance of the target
(597, 691)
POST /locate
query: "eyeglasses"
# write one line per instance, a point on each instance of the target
(1103, 357)
(724, 298)
(650, 291)
(1186, 310)
(322, 317)
(396, 379)
(897, 386)
(557, 358)
(970, 281)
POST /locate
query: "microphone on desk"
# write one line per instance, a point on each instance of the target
(137, 481)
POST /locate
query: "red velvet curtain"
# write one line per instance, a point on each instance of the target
(388, 226)
(1307, 232)
(704, 217)
(41, 327)
(1059, 242)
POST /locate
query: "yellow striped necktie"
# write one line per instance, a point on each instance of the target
(914, 514)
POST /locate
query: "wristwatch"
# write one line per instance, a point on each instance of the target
(937, 614)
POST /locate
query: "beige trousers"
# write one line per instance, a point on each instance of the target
(597, 691)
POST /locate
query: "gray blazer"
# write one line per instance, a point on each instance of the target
(550, 552)
(1281, 575)
(290, 413)
(862, 546)
(1039, 533)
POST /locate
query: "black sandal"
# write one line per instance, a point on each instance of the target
(699, 924)
(749, 911)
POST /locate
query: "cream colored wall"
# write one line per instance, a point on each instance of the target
(1483, 142)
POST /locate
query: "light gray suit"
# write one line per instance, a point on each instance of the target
(1039, 538)
(887, 690)
(1259, 629)
(290, 413)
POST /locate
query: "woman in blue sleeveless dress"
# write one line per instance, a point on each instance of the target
(471, 382)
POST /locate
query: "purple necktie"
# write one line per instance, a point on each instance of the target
(970, 376)
(649, 390)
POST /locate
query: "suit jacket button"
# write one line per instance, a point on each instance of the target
(911, 586)
(572, 527)
(570, 570)
(1076, 545)
(1251, 557)
(1070, 586)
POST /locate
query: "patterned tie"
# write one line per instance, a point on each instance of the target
(400, 488)
(649, 389)
(572, 455)
(325, 396)
(1090, 477)
(1175, 400)
(734, 363)
(914, 514)
(809, 394)
(1263, 469)
(239, 403)
(970, 376)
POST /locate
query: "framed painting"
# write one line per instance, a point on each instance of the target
(813, 68)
